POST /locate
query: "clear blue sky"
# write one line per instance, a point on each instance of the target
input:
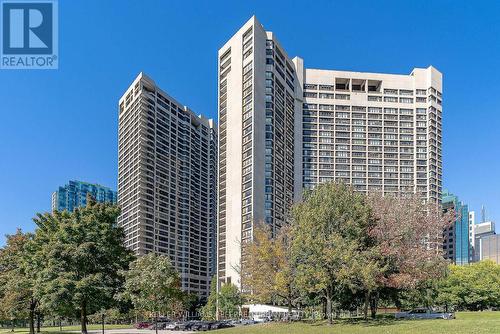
(61, 125)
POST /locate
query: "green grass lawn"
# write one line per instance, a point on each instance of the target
(465, 323)
(50, 330)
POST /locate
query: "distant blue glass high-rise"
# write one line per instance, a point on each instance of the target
(456, 237)
(74, 195)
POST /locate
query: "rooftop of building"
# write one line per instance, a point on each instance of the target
(87, 184)
(195, 118)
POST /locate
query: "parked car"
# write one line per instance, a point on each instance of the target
(423, 313)
(214, 325)
(159, 325)
(261, 318)
(142, 325)
(203, 326)
(225, 324)
(173, 326)
(186, 325)
(234, 322)
(220, 324)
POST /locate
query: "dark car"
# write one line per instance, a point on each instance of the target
(225, 324)
(215, 325)
(201, 326)
(159, 325)
(186, 325)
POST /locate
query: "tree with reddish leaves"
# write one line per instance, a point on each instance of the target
(408, 240)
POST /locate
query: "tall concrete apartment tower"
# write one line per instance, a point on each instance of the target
(167, 181)
(285, 128)
(257, 110)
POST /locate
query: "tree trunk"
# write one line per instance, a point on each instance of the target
(374, 305)
(324, 309)
(38, 322)
(32, 317)
(83, 317)
(156, 322)
(289, 310)
(367, 302)
(329, 308)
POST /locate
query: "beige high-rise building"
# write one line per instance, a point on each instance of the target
(167, 181)
(285, 128)
(378, 132)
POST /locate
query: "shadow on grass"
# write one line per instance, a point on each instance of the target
(378, 321)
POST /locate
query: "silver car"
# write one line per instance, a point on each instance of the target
(173, 326)
(423, 313)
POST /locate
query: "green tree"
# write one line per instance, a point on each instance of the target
(84, 258)
(229, 301)
(153, 285)
(473, 287)
(424, 294)
(209, 310)
(329, 231)
(17, 297)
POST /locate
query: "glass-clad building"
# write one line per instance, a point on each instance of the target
(456, 236)
(74, 195)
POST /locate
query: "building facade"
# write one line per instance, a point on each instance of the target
(285, 128)
(167, 181)
(456, 244)
(377, 132)
(472, 222)
(490, 248)
(257, 108)
(74, 195)
(481, 230)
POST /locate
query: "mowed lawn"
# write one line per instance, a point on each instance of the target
(50, 330)
(465, 323)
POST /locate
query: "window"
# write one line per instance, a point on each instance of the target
(405, 92)
(326, 87)
(326, 107)
(326, 96)
(310, 86)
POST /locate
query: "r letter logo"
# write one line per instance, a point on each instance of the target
(29, 34)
